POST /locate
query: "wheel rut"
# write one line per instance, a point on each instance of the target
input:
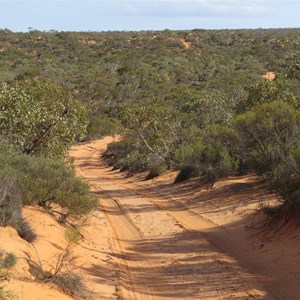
(162, 249)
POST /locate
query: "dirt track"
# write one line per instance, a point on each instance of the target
(167, 246)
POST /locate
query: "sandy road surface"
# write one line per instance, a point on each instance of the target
(163, 249)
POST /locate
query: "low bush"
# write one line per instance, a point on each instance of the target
(40, 181)
(186, 172)
(10, 201)
(211, 156)
(102, 125)
(136, 162)
(73, 235)
(11, 206)
(156, 167)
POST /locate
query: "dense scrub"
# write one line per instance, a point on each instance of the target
(39, 120)
(195, 99)
(39, 181)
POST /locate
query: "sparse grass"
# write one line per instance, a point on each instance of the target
(59, 270)
(72, 235)
(9, 261)
(71, 284)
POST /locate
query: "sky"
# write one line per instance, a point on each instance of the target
(127, 15)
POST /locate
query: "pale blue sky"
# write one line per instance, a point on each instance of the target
(103, 15)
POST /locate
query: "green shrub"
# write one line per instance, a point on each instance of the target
(118, 151)
(186, 172)
(42, 181)
(10, 201)
(156, 167)
(41, 117)
(216, 162)
(213, 155)
(136, 161)
(72, 235)
(267, 135)
(45, 181)
(102, 125)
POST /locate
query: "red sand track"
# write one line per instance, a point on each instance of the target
(183, 242)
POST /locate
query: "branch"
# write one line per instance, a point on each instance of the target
(149, 147)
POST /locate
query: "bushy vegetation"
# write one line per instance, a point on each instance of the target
(39, 121)
(41, 181)
(269, 143)
(40, 117)
(189, 99)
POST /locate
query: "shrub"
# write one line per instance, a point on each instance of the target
(212, 156)
(267, 135)
(41, 181)
(57, 271)
(102, 125)
(269, 143)
(216, 162)
(186, 172)
(72, 235)
(136, 161)
(156, 167)
(41, 117)
(46, 181)
(10, 201)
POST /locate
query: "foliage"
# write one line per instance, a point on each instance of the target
(41, 181)
(269, 142)
(46, 181)
(156, 167)
(73, 235)
(40, 117)
(265, 91)
(213, 156)
(173, 96)
(135, 162)
(293, 65)
(267, 135)
(102, 125)
(156, 129)
(10, 201)
(186, 172)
